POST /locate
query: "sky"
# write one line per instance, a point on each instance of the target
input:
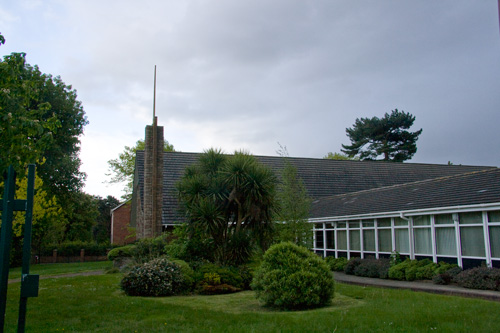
(256, 74)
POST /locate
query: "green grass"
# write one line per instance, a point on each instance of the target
(57, 269)
(96, 304)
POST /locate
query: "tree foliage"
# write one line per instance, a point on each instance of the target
(102, 229)
(231, 200)
(339, 157)
(293, 205)
(121, 169)
(387, 137)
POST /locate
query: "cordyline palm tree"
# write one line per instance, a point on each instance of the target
(231, 199)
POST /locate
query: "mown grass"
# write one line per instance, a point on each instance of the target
(57, 269)
(96, 304)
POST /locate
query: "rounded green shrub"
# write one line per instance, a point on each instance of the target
(479, 278)
(336, 264)
(158, 277)
(291, 277)
(122, 251)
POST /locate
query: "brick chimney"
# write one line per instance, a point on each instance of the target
(153, 182)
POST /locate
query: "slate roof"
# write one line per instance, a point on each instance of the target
(480, 187)
(322, 177)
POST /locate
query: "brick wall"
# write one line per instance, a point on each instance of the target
(120, 225)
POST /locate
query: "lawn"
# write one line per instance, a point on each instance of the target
(96, 304)
(57, 269)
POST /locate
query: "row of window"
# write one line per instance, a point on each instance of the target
(471, 234)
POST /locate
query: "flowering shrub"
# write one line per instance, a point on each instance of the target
(292, 277)
(158, 277)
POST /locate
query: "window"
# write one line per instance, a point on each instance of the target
(399, 221)
(494, 216)
(330, 239)
(422, 220)
(470, 218)
(446, 243)
(423, 242)
(319, 239)
(402, 241)
(384, 222)
(369, 240)
(342, 240)
(443, 219)
(354, 242)
(495, 241)
(384, 240)
(472, 239)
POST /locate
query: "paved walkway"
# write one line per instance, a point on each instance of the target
(418, 286)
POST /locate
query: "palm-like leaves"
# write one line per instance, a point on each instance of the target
(231, 198)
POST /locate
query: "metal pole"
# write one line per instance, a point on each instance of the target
(6, 240)
(23, 301)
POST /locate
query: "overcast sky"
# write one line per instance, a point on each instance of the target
(248, 74)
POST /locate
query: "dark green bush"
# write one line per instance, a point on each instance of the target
(187, 273)
(397, 272)
(292, 277)
(374, 268)
(479, 278)
(448, 276)
(426, 272)
(351, 265)
(123, 252)
(228, 275)
(336, 264)
(147, 249)
(158, 277)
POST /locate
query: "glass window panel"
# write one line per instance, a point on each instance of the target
(353, 225)
(369, 240)
(446, 243)
(494, 216)
(354, 242)
(384, 222)
(423, 242)
(472, 239)
(368, 224)
(384, 240)
(443, 219)
(402, 240)
(471, 218)
(318, 225)
(422, 220)
(330, 239)
(400, 221)
(342, 240)
(495, 241)
(341, 224)
(319, 239)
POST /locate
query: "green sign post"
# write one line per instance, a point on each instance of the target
(29, 283)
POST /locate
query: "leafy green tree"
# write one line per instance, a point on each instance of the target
(339, 157)
(2, 39)
(293, 205)
(102, 229)
(121, 169)
(387, 136)
(27, 125)
(231, 200)
(82, 216)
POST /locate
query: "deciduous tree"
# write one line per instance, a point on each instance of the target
(121, 169)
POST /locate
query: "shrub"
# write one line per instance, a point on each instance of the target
(351, 265)
(147, 249)
(291, 277)
(228, 275)
(374, 268)
(187, 273)
(397, 272)
(73, 248)
(426, 272)
(158, 277)
(336, 264)
(123, 251)
(479, 278)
